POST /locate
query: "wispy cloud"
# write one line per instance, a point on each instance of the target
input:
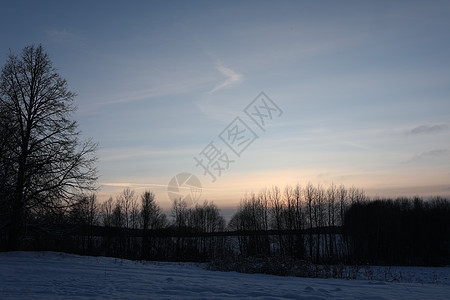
(147, 185)
(145, 94)
(232, 78)
(427, 129)
(139, 152)
(132, 185)
(168, 89)
(430, 154)
(64, 36)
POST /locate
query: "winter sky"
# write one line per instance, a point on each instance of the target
(363, 86)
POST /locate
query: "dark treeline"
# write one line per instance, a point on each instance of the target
(404, 231)
(129, 226)
(312, 223)
(313, 213)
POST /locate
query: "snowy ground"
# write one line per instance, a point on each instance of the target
(49, 275)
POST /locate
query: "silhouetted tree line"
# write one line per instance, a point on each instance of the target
(128, 226)
(404, 231)
(311, 223)
(300, 223)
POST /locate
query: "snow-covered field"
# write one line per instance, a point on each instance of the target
(49, 275)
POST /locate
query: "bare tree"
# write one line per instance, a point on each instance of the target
(126, 199)
(298, 208)
(319, 199)
(118, 218)
(214, 221)
(151, 215)
(343, 203)
(290, 207)
(135, 214)
(276, 208)
(107, 212)
(180, 213)
(309, 197)
(331, 209)
(85, 211)
(299, 222)
(50, 165)
(206, 217)
(6, 167)
(151, 218)
(6, 162)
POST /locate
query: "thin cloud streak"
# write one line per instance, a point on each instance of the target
(430, 154)
(64, 37)
(170, 89)
(146, 185)
(132, 185)
(133, 152)
(427, 129)
(232, 78)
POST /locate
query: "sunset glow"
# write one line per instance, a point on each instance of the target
(364, 90)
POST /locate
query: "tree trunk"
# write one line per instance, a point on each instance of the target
(17, 206)
(15, 227)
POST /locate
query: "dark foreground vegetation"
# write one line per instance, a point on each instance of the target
(404, 231)
(276, 232)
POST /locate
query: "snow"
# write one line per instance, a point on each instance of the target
(50, 275)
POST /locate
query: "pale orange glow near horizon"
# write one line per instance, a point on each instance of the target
(228, 191)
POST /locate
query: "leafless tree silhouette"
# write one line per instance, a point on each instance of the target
(46, 163)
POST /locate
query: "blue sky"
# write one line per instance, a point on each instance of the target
(364, 87)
